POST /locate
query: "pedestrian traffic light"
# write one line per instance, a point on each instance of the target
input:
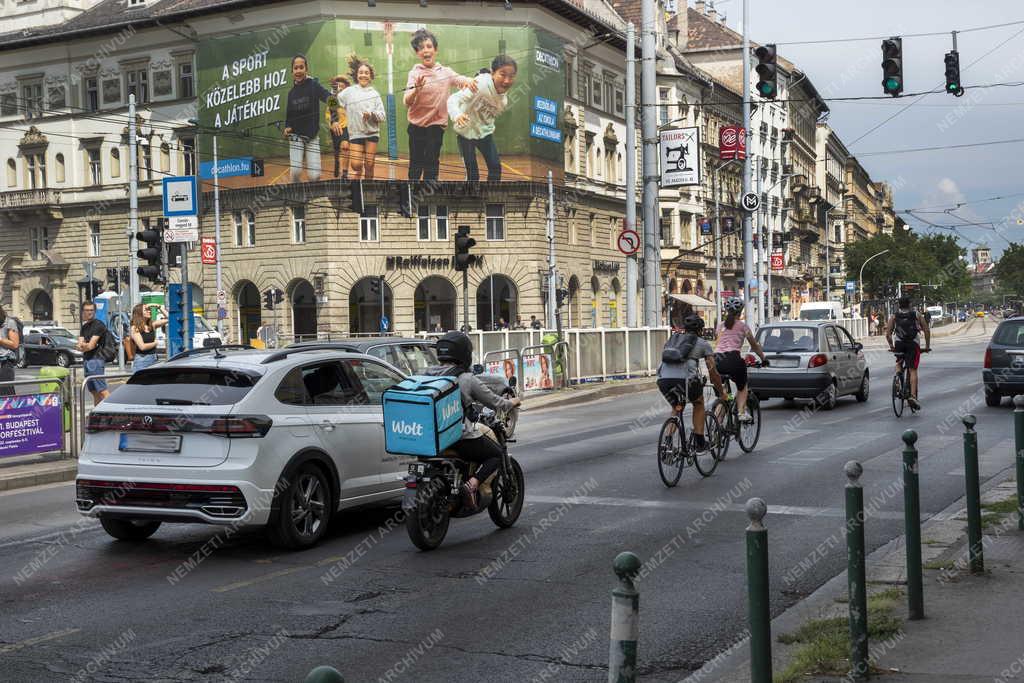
(767, 69)
(560, 295)
(152, 253)
(375, 285)
(463, 243)
(953, 85)
(892, 66)
(268, 299)
(112, 278)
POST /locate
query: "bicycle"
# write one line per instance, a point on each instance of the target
(676, 451)
(746, 434)
(901, 385)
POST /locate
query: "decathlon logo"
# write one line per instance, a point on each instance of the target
(403, 427)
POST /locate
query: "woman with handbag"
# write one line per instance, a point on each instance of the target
(142, 341)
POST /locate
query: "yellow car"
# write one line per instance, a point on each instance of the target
(980, 314)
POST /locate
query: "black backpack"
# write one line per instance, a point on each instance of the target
(678, 347)
(107, 348)
(906, 324)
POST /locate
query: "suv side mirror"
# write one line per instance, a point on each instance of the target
(857, 346)
(478, 369)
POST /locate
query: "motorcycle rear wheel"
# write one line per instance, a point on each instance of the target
(427, 524)
(507, 503)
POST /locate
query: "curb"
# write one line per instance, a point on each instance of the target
(36, 475)
(583, 395)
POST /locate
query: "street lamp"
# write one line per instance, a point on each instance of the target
(860, 277)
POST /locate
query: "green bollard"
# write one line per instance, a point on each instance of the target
(856, 573)
(975, 550)
(1018, 434)
(324, 674)
(625, 621)
(757, 594)
(912, 515)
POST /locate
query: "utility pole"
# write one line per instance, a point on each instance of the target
(133, 204)
(552, 276)
(748, 255)
(631, 264)
(718, 242)
(649, 99)
(758, 311)
(186, 299)
(216, 230)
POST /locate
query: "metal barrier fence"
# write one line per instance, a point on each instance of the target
(64, 390)
(81, 412)
(502, 354)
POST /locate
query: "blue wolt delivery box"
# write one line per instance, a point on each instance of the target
(422, 416)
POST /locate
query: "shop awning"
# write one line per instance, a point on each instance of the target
(693, 300)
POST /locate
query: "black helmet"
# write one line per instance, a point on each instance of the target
(693, 323)
(455, 347)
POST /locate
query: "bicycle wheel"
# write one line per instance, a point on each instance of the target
(707, 460)
(722, 413)
(671, 452)
(749, 433)
(897, 394)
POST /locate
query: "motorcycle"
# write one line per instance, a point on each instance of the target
(433, 485)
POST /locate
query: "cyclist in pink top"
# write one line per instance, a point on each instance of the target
(731, 334)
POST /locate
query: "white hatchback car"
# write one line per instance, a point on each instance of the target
(241, 437)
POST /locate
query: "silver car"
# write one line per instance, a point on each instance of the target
(811, 360)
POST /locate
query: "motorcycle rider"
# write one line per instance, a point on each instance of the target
(478, 443)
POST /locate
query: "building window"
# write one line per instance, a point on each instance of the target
(495, 221)
(144, 162)
(94, 238)
(40, 241)
(186, 82)
(441, 225)
(32, 100)
(239, 229)
(620, 102)
(137, 83)
(92, 93)
(188, 156)
(368, 231)
(9, 104)
(35, 165)
(12, 173)
(423, 223)
(250, 228)
(94, 172)
(115, 163)
(165, 158)
(666, 227)
(245, 228)
(663, 106)
(298, 224)
(596, 93)
(59, 161)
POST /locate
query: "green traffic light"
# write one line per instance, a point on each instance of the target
(766, 89)
(952, 87)
(891, 84)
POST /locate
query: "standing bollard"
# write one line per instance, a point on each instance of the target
(975, 550)
(856, 573)
(1018, 437)
(757, 594)
(912, 514)
(324, 674)
(625, 621)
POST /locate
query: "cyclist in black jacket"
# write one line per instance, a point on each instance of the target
(908, 323)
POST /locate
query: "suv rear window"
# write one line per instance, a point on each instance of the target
(1009, 333)
(185, 386)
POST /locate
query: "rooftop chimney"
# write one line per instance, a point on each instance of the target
(700, 6)
(712, 13)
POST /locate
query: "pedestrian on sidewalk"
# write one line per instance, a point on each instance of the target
(10, 341)
(90, 342)
(143, 335)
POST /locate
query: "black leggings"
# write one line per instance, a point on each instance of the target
(483, 450)
(731, 363)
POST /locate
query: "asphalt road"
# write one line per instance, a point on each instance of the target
(513, 605)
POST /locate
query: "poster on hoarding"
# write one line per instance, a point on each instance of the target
(30, 424)
(538, 371)
(354, 99)
(506, 367)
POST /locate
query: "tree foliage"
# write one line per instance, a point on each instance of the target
(1010, 270)
(929, 260)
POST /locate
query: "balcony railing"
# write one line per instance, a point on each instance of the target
(24, 199)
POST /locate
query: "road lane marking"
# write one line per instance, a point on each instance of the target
(259, 579)
(12, 647)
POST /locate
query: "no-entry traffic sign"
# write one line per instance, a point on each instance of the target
(629, 242)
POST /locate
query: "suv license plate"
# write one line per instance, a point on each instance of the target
(150, 443)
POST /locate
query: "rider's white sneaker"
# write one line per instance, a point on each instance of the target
(746, 418)
(914, 403)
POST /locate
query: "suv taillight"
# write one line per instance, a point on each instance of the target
(231, 426)
(988, 357)
(817, 360)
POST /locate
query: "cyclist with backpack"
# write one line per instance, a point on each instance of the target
(10, 342)
(97, 347)
(908, 323)
(679, 375)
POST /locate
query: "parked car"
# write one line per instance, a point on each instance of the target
(48, 349)
(410, 355)
(49, 327)
(961, 316)
(1003, 373)
(811, 360)
(277, 439)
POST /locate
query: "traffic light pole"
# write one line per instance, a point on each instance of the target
(465, 300)
(216, 231)
(186, 295)
(133, 205)
(649, 100)
(748, 245)
(552, 276)
(631, 262)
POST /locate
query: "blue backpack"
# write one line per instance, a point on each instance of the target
(422, 416)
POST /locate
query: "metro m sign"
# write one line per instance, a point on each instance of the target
(732, 143)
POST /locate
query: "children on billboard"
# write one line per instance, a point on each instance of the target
(365, 111)
(302, 121)
(474, 112)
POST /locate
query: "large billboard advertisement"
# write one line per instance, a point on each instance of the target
(382, 100)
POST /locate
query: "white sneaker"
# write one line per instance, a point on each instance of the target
(747, 418)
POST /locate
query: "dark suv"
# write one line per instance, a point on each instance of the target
(1004, 362)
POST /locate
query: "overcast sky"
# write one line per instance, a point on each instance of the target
(937, 179)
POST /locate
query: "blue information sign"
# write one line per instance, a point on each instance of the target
(545, 105)
(545, 133)
(226, 168)
(546, 119)
(180, 196)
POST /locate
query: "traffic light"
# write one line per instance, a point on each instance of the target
(953, 85)
(112, 278)
(892, 66)
(560, 295)
(268, 299)
(152, 253)
(463, 243)
(376, 285)
(768, 86)
(278, 296)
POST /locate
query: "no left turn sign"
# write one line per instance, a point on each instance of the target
(629, 242)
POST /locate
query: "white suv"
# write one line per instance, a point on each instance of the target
(241, 437)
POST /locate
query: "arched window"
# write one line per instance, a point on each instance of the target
(59, 162)
(304, 315)
(434, 303)
(369, 309)
(12, 173)
(115, 163)
(497, 301)
(165, 158)
(249, 315)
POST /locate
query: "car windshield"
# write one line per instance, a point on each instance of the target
(1010, 333)
(780, 339)
(200, 324)
(815, 313)
(63, 342)
(184, 386)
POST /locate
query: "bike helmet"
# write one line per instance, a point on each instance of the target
(693, 323)
(734, 305)
(455, 347)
